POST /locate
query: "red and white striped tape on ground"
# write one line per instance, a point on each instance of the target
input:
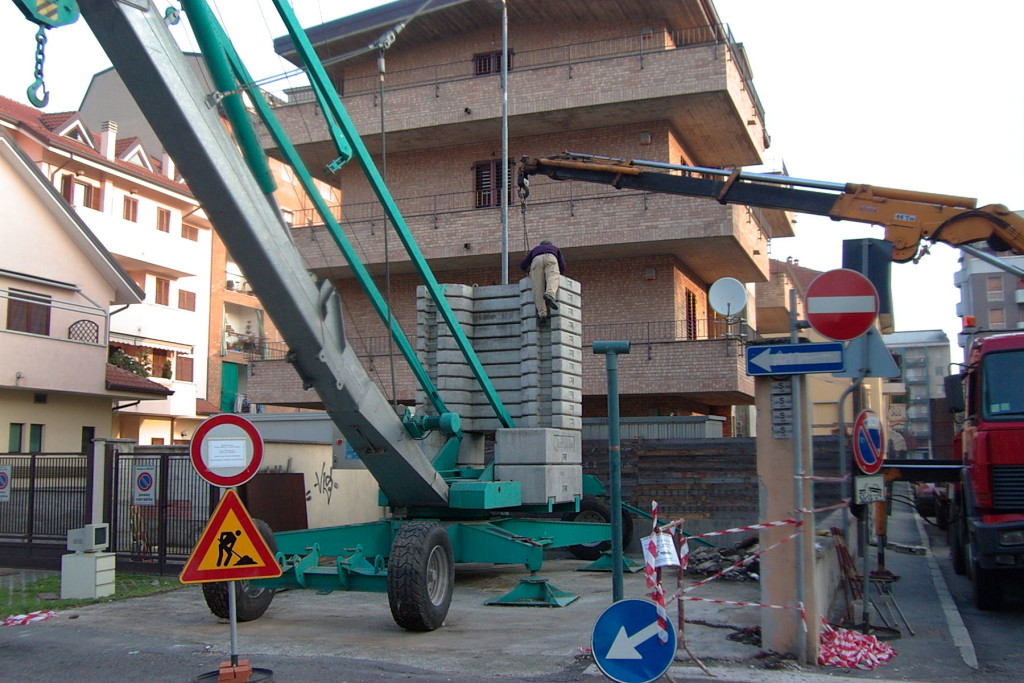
(851, 649)
(22, 619)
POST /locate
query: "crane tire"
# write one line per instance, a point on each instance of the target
(421, 576)
(250, 601)
(593, 509)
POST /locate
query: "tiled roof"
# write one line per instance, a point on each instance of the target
(43, 125)
(204, 407)
(119, 379)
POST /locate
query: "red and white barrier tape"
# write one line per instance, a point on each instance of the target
(23, 619)
(837, 506)
(752, 527)
(851, 649)
(746, 560)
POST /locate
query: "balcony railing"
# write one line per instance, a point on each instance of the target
(67, 320)
(638, 333)
(638, 45)
(433, 210)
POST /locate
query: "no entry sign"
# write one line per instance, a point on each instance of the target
(226, 450)
(841, 304)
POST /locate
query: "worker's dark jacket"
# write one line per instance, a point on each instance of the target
(543, 249)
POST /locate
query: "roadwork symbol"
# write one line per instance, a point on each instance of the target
(231, 547)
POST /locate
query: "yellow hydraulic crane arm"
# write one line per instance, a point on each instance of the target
(908, 217)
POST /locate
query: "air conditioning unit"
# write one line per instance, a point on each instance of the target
(92, 538)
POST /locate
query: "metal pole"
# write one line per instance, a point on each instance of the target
(611, 349)
(844, 461)
(504, 142)
(798, 476)
(233, 619)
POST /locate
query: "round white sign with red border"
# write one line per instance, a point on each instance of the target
(842, 304)
(868, 442)
(226, 450)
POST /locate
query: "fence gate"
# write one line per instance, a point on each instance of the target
(158, 505)
(43, 495)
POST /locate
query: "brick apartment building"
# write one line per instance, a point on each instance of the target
(660, 80)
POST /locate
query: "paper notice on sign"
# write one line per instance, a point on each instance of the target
(663, 553)
(225, 453)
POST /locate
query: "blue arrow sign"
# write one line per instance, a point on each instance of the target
(626, 645)
(795, 359)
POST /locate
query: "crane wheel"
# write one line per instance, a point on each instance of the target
(421, 576)
(250, 601)
(594, 509)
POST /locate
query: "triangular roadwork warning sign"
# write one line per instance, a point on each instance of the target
(231, 548)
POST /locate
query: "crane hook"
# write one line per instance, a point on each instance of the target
(38, 85)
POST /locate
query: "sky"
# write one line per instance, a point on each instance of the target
(916, 94)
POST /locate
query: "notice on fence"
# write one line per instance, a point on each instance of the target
(144, 490)
(5, 483)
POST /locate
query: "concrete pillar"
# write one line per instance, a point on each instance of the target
(782, 630)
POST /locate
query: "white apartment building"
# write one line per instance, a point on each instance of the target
(146, 217)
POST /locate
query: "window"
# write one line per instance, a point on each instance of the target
(190, 232)
(28, 312)
(161, 364)
(489, 63)
(691, 315)
(163, 220)
(486, 182)
(994, 287)
(35, 438)
(130, 212)
(186, 300)
(996, 319)
(183, 368)
(79, 193)
(88, 434)
(14, 437)
(163, 291)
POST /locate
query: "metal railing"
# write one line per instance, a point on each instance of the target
(67, 320)
(638, 333)
(47, 495)
(565, 56)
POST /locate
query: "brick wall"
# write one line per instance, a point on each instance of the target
(711, 483)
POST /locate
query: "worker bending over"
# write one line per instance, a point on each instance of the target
(544, 263)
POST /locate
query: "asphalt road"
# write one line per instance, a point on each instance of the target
(997, 635)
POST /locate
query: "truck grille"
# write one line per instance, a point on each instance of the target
(1008, 487)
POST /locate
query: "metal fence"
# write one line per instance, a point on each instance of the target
(47, 494)
(162, 529)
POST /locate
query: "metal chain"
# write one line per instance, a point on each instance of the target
(39, 85)
(524, 192)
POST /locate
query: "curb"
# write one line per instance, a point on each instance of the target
(957, 629)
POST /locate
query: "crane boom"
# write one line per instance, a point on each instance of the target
(908, 217)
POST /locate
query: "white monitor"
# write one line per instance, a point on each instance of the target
(92, 538)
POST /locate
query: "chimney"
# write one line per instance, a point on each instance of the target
(108, 139)
(167, 166)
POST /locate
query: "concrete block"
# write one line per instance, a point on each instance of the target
(544, 483)
(537, 447)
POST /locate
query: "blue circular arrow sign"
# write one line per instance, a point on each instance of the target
(868, 442)
(626, 645)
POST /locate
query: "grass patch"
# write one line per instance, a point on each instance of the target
(25, 598)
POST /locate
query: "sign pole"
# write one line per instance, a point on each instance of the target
(233, 620)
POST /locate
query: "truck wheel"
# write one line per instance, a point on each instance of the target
(596, 510)
(421, 576)
(250, 601)
(987, 592)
